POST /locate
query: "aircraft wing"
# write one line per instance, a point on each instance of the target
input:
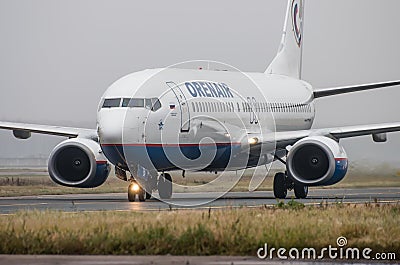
(319, 93)
(26, 128)
(284, 139)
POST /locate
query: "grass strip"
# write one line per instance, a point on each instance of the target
(194, 232)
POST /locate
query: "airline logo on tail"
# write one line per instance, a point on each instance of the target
(297, 20)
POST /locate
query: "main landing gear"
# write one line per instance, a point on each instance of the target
(282, 183)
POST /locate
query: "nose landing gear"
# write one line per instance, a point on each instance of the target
(135, 189)
(164, 187)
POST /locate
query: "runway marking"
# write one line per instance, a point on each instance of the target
(23, 204)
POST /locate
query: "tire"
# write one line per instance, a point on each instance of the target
(165, 186)
(300, 190)
(142, 195)
(280, 190)
(147, 191)
(131, 194)
(148, 195)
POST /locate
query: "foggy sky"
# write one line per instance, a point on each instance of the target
(58, 57)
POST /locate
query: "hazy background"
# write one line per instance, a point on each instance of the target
(58, 57)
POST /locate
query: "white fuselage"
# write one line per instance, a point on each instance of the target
(188, 109)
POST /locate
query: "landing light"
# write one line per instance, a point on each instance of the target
(135, 187)
(253, 141)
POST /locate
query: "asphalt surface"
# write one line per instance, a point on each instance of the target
(119, 202)
(154, 260)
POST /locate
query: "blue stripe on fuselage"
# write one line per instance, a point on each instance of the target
(117, 153)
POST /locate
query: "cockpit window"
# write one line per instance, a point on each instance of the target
(111, 102)
(133, 102)
(155, 104)
(125, 102)
(149, 103)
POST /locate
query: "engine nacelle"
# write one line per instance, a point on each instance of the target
(78, 163)
(317, 161)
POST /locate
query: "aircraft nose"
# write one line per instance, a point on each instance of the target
(110, 126)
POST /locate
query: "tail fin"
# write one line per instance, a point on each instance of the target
(289, 58)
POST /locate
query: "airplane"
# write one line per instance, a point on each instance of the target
(156, 121)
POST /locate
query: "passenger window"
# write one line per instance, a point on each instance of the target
(111, 102)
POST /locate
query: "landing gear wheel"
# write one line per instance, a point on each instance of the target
(280, 190)
(165, 186)
(131, 192)
(142, 195)
(135, 189)
(300, 190)
(148, 195)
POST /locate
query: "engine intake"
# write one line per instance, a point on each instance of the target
(317, 161)
(78, 163)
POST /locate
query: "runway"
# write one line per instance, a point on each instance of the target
(119, 202)
(154, 260)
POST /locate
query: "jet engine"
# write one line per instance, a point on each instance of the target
(317, 161)
(78, 163)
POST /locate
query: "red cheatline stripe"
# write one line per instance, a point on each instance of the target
(340, 159)
(101, 162)
(172, 145)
